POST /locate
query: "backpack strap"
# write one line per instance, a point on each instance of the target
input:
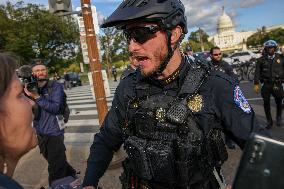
(49, 86)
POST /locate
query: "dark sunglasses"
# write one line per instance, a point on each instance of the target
(217, 54)
(141, 34)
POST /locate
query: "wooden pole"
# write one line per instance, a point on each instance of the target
(95, 64)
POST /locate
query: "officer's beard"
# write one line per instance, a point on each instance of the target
(158, 57)
(216, 62)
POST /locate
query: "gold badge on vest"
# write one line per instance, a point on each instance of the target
(195, 103)
(278, 61)
(161, 114)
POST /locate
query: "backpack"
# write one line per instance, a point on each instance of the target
(64, 109)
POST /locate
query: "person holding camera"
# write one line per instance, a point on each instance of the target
(49, 97)
(15, 122)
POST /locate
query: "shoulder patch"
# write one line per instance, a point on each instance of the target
(241, 101)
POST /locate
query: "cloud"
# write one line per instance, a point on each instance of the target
(203, 14)
(250, 3)
(101, 17)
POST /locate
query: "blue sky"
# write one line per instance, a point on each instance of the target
(246, 14)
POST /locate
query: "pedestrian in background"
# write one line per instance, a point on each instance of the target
(114, 73)
(16, 133)
(220, 65)
(56, 76)
(130, 69)
(269, 72)
(188, 50)
(67, 82)
(169, 114)
(49, 99)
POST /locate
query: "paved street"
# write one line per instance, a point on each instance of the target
(32, 169)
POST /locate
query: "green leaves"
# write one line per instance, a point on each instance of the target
(30, 31)
(257, 39)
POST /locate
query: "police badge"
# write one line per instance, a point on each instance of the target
(278, 61)
(195, 103)
(161, 114)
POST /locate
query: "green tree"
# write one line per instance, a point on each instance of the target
(277, 35)
(258, 38)
(32, 32)
(195, 42)
(114, 46)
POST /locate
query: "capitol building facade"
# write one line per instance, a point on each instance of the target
(227, 38)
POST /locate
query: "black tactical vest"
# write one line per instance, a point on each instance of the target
(271, 69)
(163, 140)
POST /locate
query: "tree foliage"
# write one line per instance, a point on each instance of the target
(114, 46)
(29, 31)
(258, 38)
(194, 41)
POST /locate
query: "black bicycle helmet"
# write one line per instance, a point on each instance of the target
(270, 43)
(167, 13)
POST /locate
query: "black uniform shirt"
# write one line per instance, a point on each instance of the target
(269, 69)
(223, 105)
(224, 67)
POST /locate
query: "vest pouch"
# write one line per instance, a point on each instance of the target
(161, 157)
(135, 148)
(144, 123)
(217, 146)
(183, 172)
(183, 156)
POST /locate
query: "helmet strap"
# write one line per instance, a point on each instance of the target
(170, 52)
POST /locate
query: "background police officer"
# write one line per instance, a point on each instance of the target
(270, 72)
(188, 50)
(220, 65)
(169, 113)
(130, 69)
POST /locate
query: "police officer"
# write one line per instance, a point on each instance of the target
(130, 69)
(269, 71)
(188, 50)
(220, 65)
(169, 113)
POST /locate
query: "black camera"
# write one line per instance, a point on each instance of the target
(27, 78)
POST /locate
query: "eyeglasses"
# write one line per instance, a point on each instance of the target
(219, 54)
(141, 34)
(38, 71)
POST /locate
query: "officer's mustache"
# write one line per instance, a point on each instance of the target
(136, 55)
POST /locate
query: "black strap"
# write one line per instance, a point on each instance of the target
(195, 77)
(49, 86)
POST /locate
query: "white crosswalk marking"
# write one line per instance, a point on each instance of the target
(83, 122)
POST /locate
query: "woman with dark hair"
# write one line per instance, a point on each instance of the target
(17, 136)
